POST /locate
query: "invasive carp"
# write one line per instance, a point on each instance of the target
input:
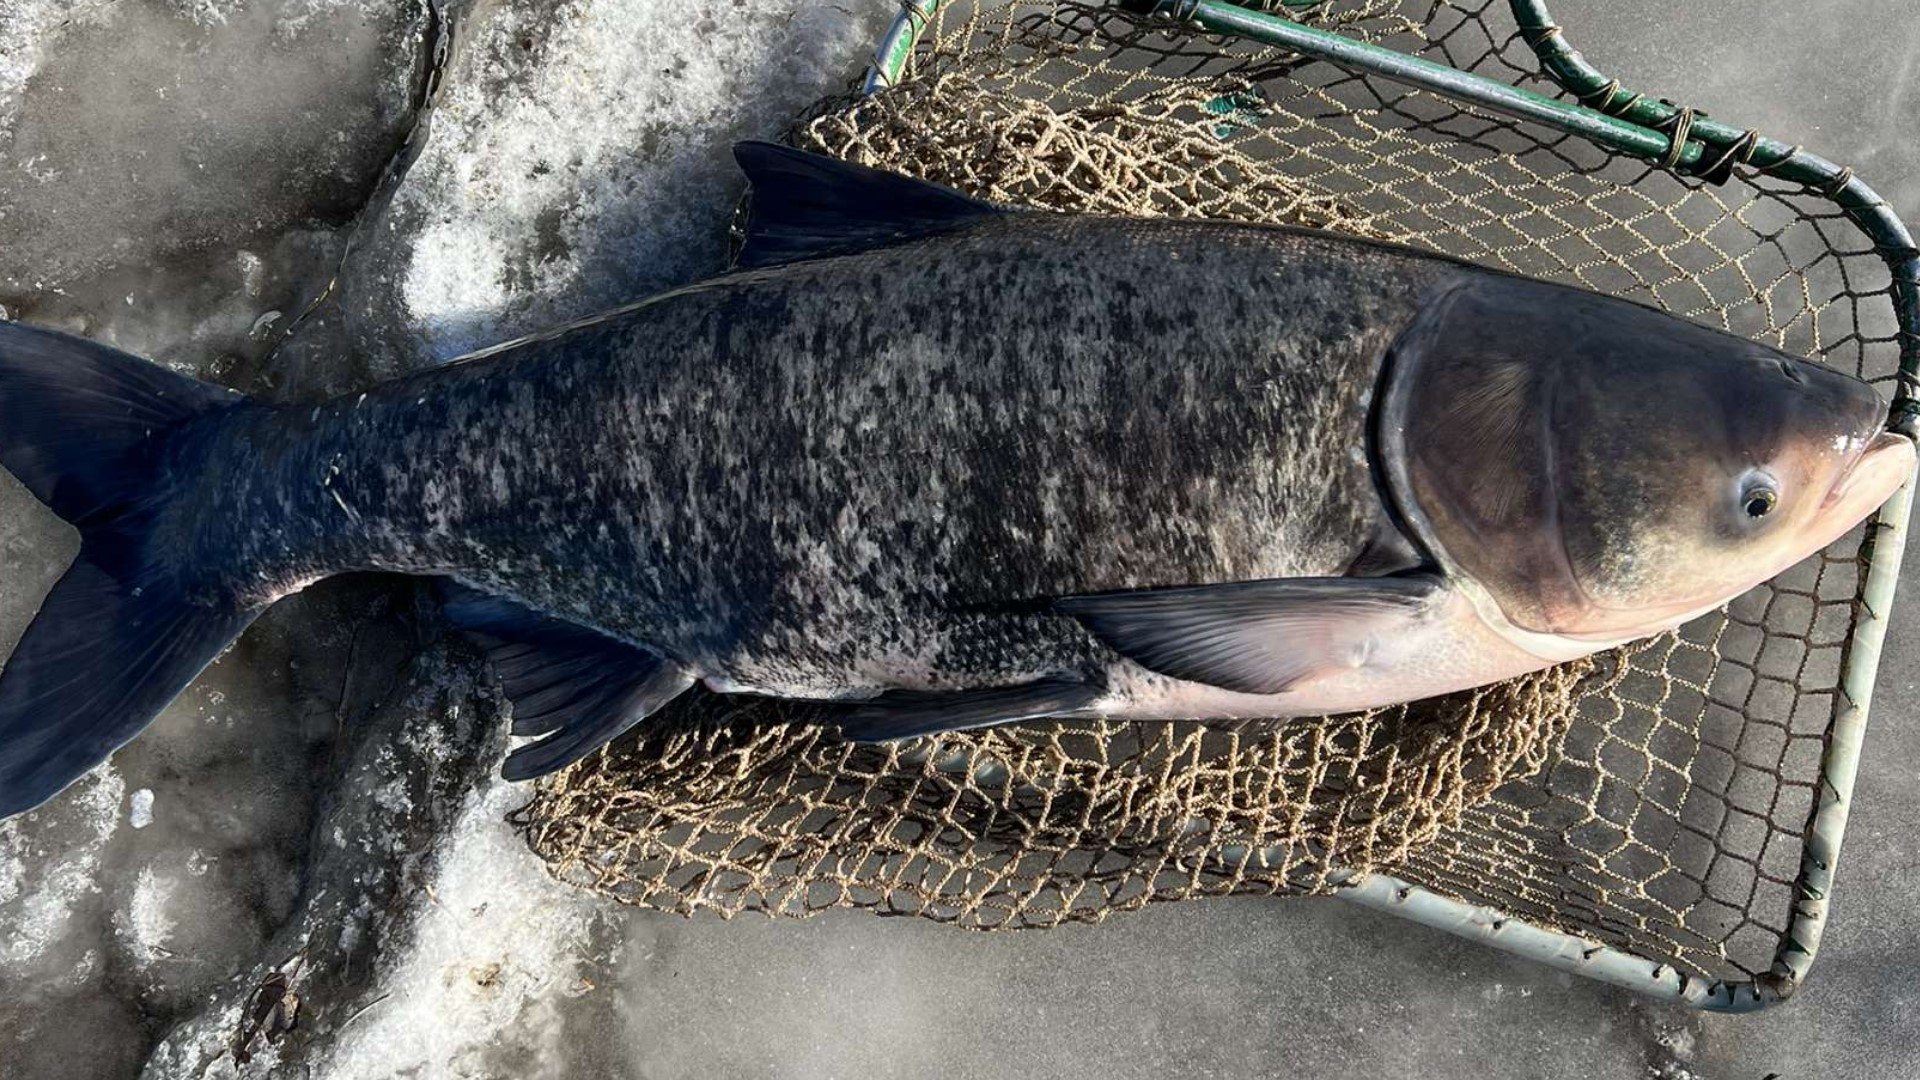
(954, 465)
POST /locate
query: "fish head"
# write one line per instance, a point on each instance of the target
(1603, 471)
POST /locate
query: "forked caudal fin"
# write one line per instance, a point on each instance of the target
(90, 431)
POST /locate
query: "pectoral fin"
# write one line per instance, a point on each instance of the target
(1259, 637)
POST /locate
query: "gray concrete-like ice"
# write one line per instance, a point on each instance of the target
(182, 177)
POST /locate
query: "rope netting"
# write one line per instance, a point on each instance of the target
(1656, 798)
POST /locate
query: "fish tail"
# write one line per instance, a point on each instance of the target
(96, 435)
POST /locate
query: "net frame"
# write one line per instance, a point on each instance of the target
(1683, 141)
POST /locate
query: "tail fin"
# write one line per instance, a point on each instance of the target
(90, 431)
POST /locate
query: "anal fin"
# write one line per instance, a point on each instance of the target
(902, 714)
(578, 687)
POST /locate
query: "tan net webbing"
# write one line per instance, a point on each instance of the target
(1654, 799)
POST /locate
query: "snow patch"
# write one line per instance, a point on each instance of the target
(41, 913)
(140, 815)
(590, 131)
(207, 12)
(498, 950)
(297, 15)
(146, 924)
(27, 27)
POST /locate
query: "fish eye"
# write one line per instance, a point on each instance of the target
(1760, 502)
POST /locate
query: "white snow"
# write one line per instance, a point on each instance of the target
(497, 953)
(140, 814)
(545, 170)
(146, 924)
(41, 912)
(208, 12)
(27, 27)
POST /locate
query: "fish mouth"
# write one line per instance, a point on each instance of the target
(1874, 476)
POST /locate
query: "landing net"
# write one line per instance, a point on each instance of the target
(1656, 798)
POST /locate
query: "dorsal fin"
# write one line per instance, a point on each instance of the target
(809, 205)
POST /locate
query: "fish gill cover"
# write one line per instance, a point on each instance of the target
(1655, 798)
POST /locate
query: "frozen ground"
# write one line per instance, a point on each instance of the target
(181, 177)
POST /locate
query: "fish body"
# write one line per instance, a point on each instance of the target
(962, 466)
(863, 473)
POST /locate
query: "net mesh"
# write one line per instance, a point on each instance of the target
(1655, 798)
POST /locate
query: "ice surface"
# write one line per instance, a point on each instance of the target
(369, 875)
(417, 930)
(44, 906)
(183, 177)
(166, 174)
(134, 132)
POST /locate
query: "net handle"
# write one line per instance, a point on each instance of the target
(1603, 129)
(895, 50)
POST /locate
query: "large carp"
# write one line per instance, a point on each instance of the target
(956, 466)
